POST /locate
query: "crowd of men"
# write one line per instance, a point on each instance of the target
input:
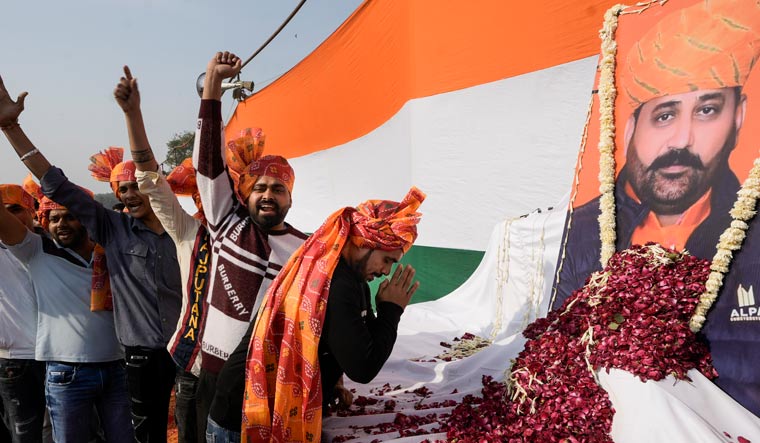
(104, 312)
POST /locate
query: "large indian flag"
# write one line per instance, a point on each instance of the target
(479, 104)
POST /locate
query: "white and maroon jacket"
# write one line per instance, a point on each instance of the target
(246, 259)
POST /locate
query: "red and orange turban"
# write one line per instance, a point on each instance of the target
(283, 389)
(45, 204)
(711, 45)
(246, 164)
(387, 225)
(107, 166)
(16, 195)
(183, 181)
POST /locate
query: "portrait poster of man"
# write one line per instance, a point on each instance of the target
(687, 131)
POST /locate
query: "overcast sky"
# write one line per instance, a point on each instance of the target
(69, 55)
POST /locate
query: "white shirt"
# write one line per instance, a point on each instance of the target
(182, 228)
(18, 309)
(66, 328)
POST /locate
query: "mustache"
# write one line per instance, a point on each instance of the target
(676, 157)
(273, 203)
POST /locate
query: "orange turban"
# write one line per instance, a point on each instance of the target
(32, 187)
(246, 165)
(710, 45)
(16, 195)
(387, 225)
(182, 178)
(273, 166)
(47, 205)
(183, 181)
(107, 166)
(123, 172)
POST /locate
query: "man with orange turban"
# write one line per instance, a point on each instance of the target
(193, 252)
(317, 321)
(245, 198)
(682, 84)
(143, 269)
(23, 395)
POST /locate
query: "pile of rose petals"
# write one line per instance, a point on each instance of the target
(632, 315)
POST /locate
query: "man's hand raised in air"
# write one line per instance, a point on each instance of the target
(222, 65)
(10, 110)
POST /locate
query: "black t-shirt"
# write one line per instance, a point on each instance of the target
(354, 341)
(227, 406)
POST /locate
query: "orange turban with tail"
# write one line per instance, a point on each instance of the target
(183, 181)
(283, 390)
(246, 164)
(107, 166)
(710, 45)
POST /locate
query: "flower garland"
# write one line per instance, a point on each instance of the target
(742, 211)
(607, 94)
(730, 241)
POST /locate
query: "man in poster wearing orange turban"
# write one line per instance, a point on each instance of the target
(682, 82)
(317, 321)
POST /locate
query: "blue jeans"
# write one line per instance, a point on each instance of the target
(73, 389)
(217, 434)
(22, 389)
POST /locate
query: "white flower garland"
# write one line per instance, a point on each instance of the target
(607, 94)
(730, 241)
(741, 213)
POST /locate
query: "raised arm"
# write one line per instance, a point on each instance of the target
(128, 97)
(165, 205)
(55, 185)
(216, 193)
(9, 113)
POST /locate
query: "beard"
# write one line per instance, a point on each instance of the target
(269, 221)
(76, 238)
(360, 266)
(671, 194)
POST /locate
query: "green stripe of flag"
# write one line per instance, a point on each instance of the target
(439, 270)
